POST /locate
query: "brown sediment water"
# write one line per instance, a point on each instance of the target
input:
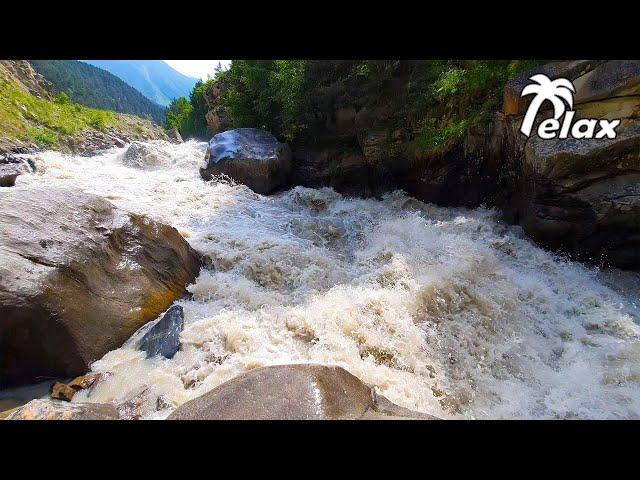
(446, 311)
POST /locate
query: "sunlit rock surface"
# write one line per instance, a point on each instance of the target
(77, 277)
(250, 156)
(57, 410)
(293, 392)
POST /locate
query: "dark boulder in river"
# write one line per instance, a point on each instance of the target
(250, 156)
(163, 338)
(293, 392)
(77, 278)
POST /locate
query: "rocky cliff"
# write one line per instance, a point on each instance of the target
(363, 137)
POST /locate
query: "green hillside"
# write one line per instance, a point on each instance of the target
(31, 116)
(97, 88)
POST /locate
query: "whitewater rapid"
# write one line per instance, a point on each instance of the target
(443, 310)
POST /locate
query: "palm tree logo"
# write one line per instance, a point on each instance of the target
(556, 91)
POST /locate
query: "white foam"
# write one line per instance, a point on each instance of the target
(443, 310)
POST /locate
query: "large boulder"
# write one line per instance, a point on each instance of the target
(57, 410)
(583, 196)
(144, 156)
(77, 278)
(250, 156)
(293, 392)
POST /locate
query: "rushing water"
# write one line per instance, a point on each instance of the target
(443, 310)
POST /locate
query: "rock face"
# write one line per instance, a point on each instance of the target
(217, 118)
(514, 104)
(163, 338)
(293, 392)
(56, 410)
(174, 135)
(250, 156)
(10, 168)
(77, 278)
(143, 156)
(27, 78)
(582, 196)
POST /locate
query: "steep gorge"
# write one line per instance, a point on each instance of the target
(366, 135)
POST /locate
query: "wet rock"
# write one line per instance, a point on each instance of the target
(5, 413)
(85, 381)
(174, 135)
(143, 155)
(60, 391)
(583, 196)
(134, 407)
(10, 168)
(118, 141)
(293, 392)
(77, 278)
(56, 410)
(250, 156)
(163, 338)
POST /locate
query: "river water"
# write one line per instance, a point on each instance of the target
(443, 310)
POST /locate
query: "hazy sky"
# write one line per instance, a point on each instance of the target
(197, 68)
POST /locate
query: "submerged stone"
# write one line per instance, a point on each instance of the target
(164, 337)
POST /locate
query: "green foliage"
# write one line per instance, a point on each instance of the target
(93, 87)
(287, 83)
(44, 138)
(189, 116)
(177, 114)
(98, 122)
(266, 94)
(363, 71)
(25, 117)
(196, 123)
(435, 139)
(447, 97)
(62, 99)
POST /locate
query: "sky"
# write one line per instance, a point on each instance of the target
(197, 68)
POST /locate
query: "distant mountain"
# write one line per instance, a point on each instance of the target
(154, 78)
(97, 88)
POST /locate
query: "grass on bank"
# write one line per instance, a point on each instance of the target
(30, 119)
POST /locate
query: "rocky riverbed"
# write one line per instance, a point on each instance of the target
(416, 310)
